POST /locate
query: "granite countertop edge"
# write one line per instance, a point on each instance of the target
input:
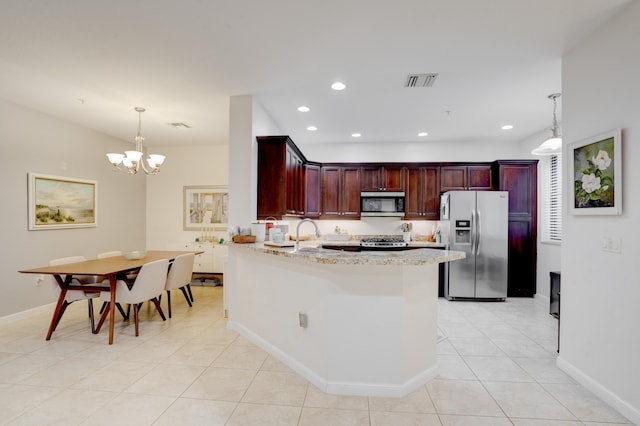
(311, 252)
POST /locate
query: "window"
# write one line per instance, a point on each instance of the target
(552, 200)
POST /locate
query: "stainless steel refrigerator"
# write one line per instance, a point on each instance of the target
(476, 222)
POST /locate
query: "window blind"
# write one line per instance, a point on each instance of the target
(553, 199)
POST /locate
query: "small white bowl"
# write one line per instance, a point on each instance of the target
(135, 255)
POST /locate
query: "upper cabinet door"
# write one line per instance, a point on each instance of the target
(370, 178)
(422, 193)
(331, 178)
(479, 178)
(453, 178)
(377, 178)
(312, 193)
(340, 192)
(394, 178)
(466, 177)
(350, 190)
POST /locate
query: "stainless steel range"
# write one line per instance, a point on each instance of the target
(383, 243)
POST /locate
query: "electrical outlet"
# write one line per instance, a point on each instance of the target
(39, 280)
(302, 318)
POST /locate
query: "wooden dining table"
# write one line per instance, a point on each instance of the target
(111, 268)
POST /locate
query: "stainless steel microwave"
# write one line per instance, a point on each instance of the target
(381, 204)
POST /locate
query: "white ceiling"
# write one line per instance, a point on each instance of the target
(92, 62)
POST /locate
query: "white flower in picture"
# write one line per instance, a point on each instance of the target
(590, 183)
(602, 160)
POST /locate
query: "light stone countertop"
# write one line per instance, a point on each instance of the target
(312, 252)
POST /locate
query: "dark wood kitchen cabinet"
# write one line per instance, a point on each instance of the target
(422, 193)
(312, 190)
(281, 178)
(461, 177)
(381, 178)
(340, 188)
(519, 178)
(294, 202)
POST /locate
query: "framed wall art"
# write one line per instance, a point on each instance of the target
(595, 170)
(205, 207)
(57, 202)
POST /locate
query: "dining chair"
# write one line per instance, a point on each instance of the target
(148, 285)
(179, 276)
(104, 255)
(74, 295)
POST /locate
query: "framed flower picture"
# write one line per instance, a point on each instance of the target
(595, 171)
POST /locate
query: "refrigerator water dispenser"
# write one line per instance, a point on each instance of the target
(463, 232)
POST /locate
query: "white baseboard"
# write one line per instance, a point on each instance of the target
(630, 412)
(541, 298)
(332, 387)
(8, 319)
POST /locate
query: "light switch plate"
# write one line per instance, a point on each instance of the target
(611, 244)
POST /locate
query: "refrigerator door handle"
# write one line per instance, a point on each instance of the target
(473, 232)
(478, 231)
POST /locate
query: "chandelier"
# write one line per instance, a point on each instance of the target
(131, 161)
(553, 145)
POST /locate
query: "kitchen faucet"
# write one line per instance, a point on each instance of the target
(298, 231)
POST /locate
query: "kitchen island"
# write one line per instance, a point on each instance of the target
(352, 323)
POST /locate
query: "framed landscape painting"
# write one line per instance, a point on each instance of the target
(595, 170)
(57, 202)
(205, 207)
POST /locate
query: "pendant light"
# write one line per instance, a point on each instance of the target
(553, 145)
(131, 161)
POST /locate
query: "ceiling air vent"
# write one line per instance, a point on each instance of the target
(420, 80)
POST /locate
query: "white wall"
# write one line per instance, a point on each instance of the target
(34, 142)
(184, 166)
(410, 152)
(600, 343)
(247, 120)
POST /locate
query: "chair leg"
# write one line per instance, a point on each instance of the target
(93, 324)
(169, 302)
(159, 308)
(103, 317)
(135, 316)
(186, 296)
(125, 315)
(190, 294)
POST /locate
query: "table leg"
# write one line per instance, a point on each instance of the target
(63, 293)
(112, 306)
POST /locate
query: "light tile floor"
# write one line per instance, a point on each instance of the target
(497, 368)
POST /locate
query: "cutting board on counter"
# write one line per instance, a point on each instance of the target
(283, 244)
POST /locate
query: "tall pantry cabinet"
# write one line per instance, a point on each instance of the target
(519, 177)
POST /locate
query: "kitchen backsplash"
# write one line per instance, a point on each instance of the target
(420, 229)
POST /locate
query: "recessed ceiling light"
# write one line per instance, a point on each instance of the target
(423, 134)
(507, 127)
(338, 86)
(304, 108)
(355, 135)
(312, 128)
